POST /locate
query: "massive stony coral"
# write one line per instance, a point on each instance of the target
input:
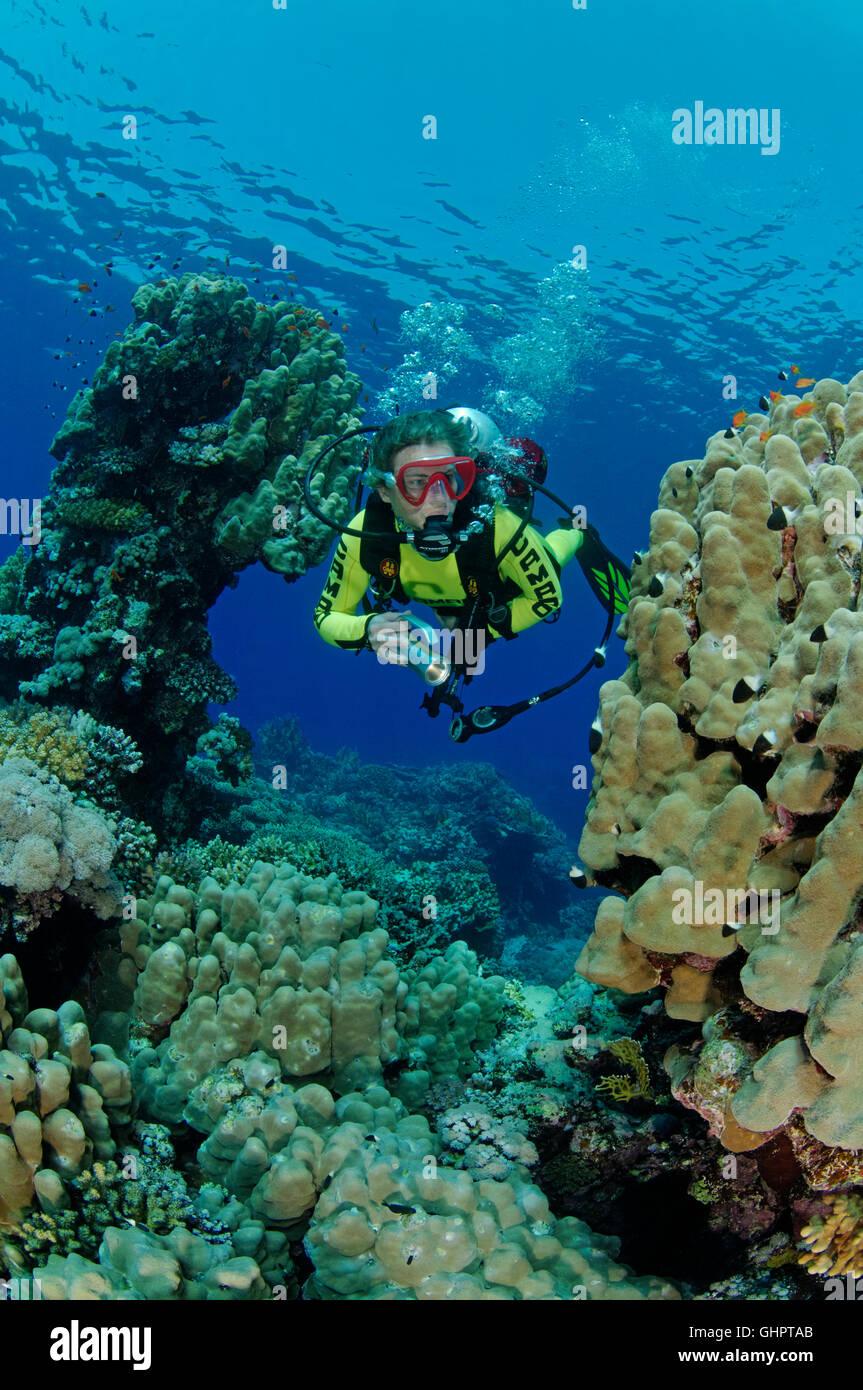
(295, 967)
(729, 765)
(179, 465)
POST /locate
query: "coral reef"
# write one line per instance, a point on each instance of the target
(295, 967)
(181, 464)
(299, 1141)
(462, 835)
(726, 800)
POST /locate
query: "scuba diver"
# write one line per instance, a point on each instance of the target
(447, 524)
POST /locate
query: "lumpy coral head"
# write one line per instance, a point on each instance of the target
(726, 801)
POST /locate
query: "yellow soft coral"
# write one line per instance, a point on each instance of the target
(621, 1087)
(46, 738)
(835, 1242)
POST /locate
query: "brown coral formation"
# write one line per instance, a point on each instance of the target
(726, 804)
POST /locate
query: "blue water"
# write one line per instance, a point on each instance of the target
(304, 127)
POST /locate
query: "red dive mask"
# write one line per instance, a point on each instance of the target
(456, 475)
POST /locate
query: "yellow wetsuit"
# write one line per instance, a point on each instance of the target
(532, 564)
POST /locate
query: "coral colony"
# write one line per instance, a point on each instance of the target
(285, 1069)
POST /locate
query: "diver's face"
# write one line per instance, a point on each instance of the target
(436, 502)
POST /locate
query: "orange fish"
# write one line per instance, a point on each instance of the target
(227, 260)
(805, 381)
(362, 347)
(161, 282)
(306, 333)
(737, 420)
(246, 331)
(292, 277)
(344, 328)
(322, 323)
(793, 368)
(776, 395)
(225, 382)
(291, 328)
(83, 287)
(805, 408)
(765, 435)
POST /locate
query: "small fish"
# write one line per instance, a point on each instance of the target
(246, 331)
(776, 395)
(292, 329)
(729, 434)
(83, 287)
(764, 436)
(197, 289)
(410, 1259)
(805, 381)
(805, 408)
(306, 333)
(225, 382)
(291, 276)
(321, 323)
(101, 195)
(161, 282)
(362, 347)
(739, 419)
(366, 396)
(227, 260)
(108, 268)
(344, 328)
(746, 687)
(794, 369)
(783, 376)
(400, 1208)
(764, 404)
(375, 327)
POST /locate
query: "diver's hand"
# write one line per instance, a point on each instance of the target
(388, 636)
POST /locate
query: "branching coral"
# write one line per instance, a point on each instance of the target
(834, 1243)
(621, 1087)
